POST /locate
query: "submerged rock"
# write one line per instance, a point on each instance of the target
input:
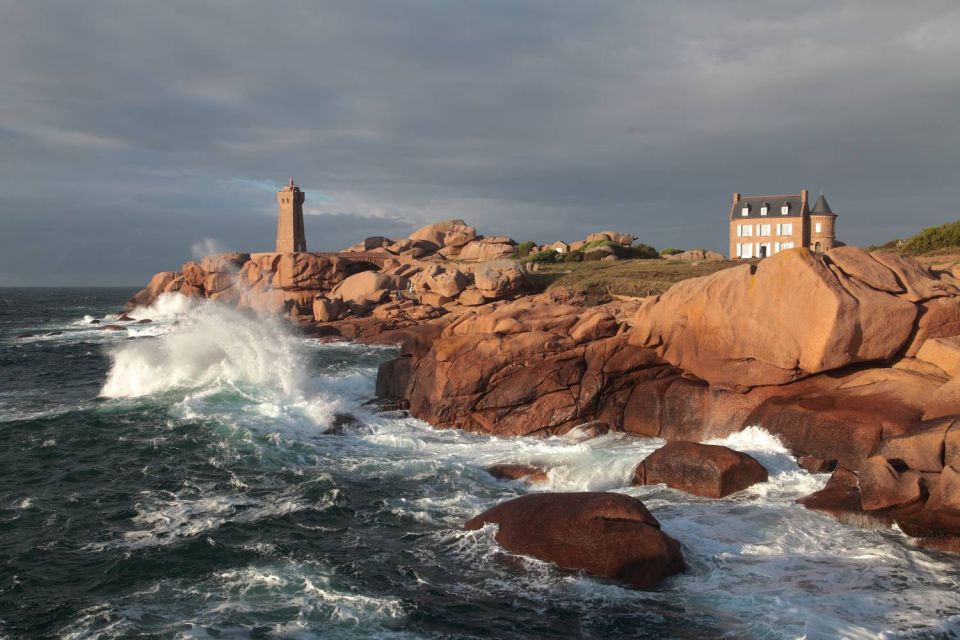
(531, 473)
(605, 534)
(345, 424)
(707, 470)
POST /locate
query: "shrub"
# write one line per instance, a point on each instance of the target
(545, 257)
(644, 251)
(671, 251)
(943, 237)
(574, 256)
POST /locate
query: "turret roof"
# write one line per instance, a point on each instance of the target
(821, 208)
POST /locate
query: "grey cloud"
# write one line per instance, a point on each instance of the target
(125, 125)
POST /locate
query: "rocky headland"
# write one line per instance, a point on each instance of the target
(851, 358)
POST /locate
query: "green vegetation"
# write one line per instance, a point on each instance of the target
(523, 249)
(931, 239)
(644, 251)
(598, 249)
(545, 257)
(946, 236)
(671, 251)
(635, 278)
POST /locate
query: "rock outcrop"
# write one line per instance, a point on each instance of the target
(519, 369)
(695, 255)
(488, 248)
(914, 479)
(604, 534)
(793, 315)
(447, 233)
(710, 471)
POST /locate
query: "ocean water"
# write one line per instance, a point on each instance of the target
(174, 480)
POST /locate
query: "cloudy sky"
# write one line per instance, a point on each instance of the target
(135, 134)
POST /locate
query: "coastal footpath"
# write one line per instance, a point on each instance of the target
(850, 358)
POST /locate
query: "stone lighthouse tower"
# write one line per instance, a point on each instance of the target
(290, 236)
(823, 223)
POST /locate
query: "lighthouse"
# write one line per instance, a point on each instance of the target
(290, 236)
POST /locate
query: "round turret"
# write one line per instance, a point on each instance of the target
(822, 226)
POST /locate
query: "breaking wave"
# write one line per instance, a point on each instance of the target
(210, 350)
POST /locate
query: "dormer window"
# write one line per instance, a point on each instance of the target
(745, 211)
(764, 209)
(785, 209)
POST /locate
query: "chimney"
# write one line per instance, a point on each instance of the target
(736, 197)
(803, 199)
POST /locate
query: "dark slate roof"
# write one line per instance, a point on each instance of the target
(794, 200)
(821, 208)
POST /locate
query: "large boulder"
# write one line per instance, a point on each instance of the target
(217, 281)
(945, 401)
(915, 479)
(446, 233)
(369, 244)
(158, 285)
(364, 288)
(841, 417)
(446, 282)
(791, 316)
(944, 353)
(302, 271)
(517, 370)
(328, 309)
(605, 534)
(224, 262)
(625, 239)
(920, 282)
(499, 279)
(706, 470)
(484, 249)
(193, 274)
(939, 318)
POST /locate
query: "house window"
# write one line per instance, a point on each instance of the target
(763, 210)
(746, 230)
(786, 245)
(785, 209)
(787, 229)
(746, 251)
(764, 229)
(745, 211)
(776, 247)
(817, 227)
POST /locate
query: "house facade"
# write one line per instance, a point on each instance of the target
(761, 226)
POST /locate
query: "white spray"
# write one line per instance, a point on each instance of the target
(213, 347)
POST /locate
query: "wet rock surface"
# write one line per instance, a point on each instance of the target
(604, 534)
(705, 470)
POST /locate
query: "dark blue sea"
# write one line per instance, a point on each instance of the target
(174, 479)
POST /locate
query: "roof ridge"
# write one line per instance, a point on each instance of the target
(775, 195)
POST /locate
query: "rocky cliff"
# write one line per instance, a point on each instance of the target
(843, 356)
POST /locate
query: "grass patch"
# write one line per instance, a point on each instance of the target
(635, 278)
(945, 237)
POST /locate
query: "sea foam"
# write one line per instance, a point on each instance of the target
(212, 348)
